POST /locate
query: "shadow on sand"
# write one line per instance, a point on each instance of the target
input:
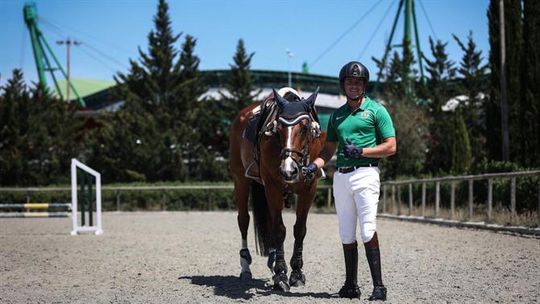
(234, 288)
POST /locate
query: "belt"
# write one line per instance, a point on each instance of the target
(351, 169)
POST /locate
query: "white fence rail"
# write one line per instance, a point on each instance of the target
(394, 186)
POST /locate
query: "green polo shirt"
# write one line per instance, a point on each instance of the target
(368, 126)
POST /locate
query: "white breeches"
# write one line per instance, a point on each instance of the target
(356, 197)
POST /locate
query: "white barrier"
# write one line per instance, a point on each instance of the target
(84, 229)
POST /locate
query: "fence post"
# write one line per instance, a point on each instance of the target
(410, 199)
(329, 198)
(163, 198)
(513, 198)
(423, 199)
(471, 195)
(490, 198)
(452, 199)
(538, 210)
(437, 197)
(394, 208)
(399, 199)
(384, 199)
(117, 201)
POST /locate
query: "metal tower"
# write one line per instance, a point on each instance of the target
(43, 53)
(409, 22)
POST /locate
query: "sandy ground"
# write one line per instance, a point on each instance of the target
(181, 257)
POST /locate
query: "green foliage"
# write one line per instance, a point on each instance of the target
(461, 147)
(411, 129)
(473, 86)
(439, 143)
(38, 135)
(529, 124)
(408, 116)
(164, 131)
(241, 84)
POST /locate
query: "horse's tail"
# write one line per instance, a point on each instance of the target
(260, 219)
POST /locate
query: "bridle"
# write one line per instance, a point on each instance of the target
(313, 130)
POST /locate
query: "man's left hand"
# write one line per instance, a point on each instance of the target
(351, 150)
(309, 172)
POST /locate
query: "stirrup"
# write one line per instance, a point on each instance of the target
(248, 171)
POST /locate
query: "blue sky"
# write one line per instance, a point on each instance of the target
(112, 30)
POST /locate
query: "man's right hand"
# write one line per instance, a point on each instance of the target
(309, 171)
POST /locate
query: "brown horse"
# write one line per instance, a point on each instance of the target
(291, 139)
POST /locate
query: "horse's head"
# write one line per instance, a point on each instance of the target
(296, 129)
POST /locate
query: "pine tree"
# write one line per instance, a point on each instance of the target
(461, 147)
(473, 72)
(143, 140)
(530, 100)
(408, 117)
(441, 71)
(201, 126)
(513, 15)
(514, 43)
(38, 135)
(241, 84)
(13, 116)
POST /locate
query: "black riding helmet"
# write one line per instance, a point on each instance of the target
(352, 69)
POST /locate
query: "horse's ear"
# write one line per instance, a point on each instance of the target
(279, 100)
(310, 101)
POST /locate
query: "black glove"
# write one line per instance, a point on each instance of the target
(309, 171)
(351, 150)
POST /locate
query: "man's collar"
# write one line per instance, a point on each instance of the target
(362, 106)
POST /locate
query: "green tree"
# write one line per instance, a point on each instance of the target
(461, 147)
(13, 116)
(514, 42)
(241, 84)
(473, 86)
(38, 135)
(200, 126)
(441, 71)
(144, 139)
(530, 99)
(408, 116)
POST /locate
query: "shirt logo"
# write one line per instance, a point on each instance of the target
(365, 114)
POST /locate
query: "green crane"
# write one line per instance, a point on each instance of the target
(43, 53)
(409, 22)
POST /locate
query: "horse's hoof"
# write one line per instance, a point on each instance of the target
(297, 280)
(245, 276)
(280, 282)
(282, 286)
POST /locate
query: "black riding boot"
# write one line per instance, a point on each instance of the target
(350, 289)
(373, 255)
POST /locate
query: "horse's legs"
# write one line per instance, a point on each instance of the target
(241, 196)
(304, 203)
(278, 232)
(280, 267)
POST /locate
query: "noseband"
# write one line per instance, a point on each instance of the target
(303, 154)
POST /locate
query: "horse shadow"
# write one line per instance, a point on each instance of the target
(233, 287)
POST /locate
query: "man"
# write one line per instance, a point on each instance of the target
(364, 133)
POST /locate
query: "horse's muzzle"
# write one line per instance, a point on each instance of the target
(289, 170)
